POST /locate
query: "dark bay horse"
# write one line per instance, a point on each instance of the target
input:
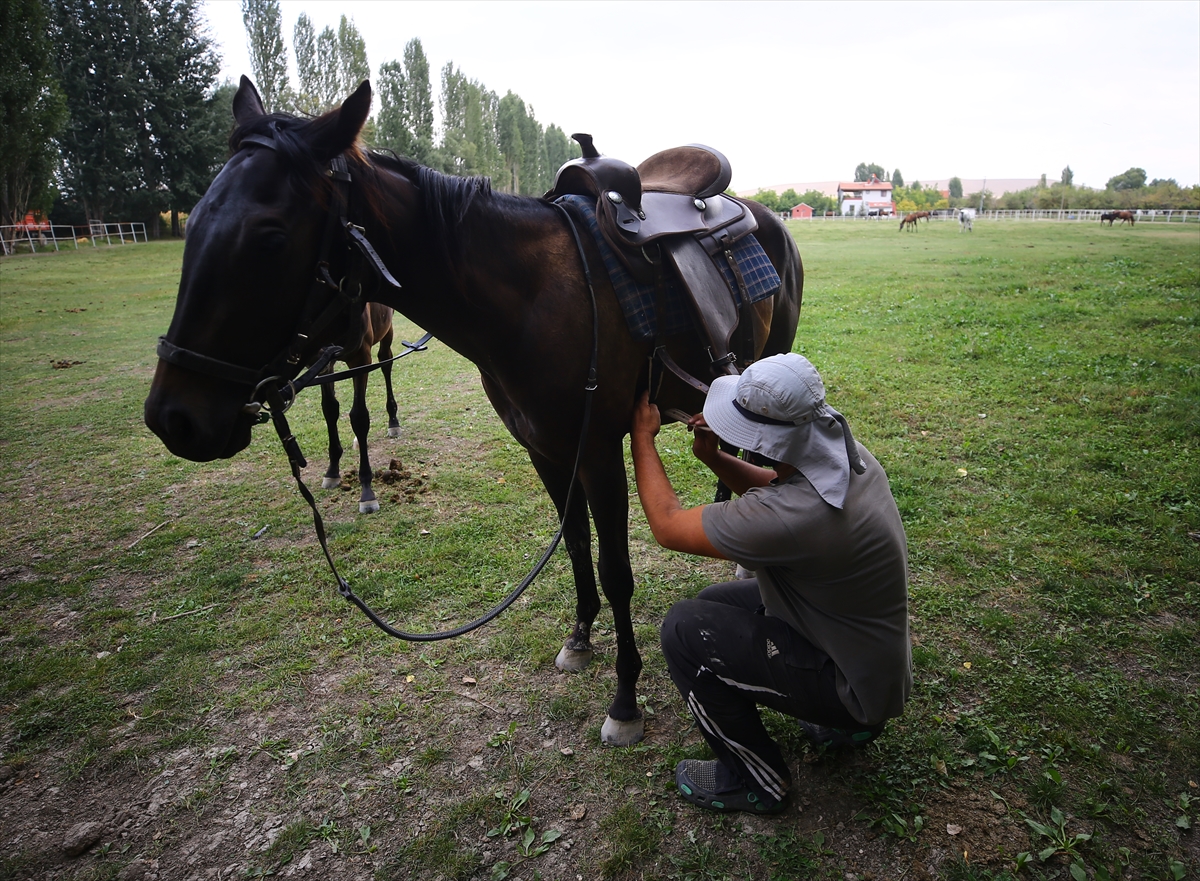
(373, 326)
(1110, 216)
(498, 278)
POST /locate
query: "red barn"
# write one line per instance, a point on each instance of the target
(803, 211)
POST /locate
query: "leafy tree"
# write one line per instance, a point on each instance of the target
(955, 187)
(135, 75)
(1067, 176)
(268, 55)
(405, 121)
(559, 149)
(864, 171)
(352, 65)
(469, 111)
(897, 178)
(818, 201)
(1133, 179)
(32, 109)
(304, 44)
(186, 145)
(510, 113)
(769, 198)
(789, 199)
(97, 60)
(329, 65)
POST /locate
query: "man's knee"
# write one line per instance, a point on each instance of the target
(678, 627)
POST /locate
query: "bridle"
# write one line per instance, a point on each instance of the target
(268, 400)
(326, 301)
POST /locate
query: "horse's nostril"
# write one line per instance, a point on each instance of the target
(179, 426)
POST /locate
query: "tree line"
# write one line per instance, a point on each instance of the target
(1127, 190)
(111, 108)
(482, 133)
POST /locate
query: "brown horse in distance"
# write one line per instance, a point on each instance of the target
(373, 327)
(911, 220)
(496, 277)
(1124, 216)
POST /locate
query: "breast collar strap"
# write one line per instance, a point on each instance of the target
(327, 298)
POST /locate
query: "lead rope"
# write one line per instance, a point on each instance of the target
(297, 461)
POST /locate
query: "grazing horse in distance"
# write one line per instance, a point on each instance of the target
(922, 214)
(965, 218)
(1110, 216)
(373, 326)
(1124, 216)
(911, 220)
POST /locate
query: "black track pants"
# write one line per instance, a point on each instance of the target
(726, 658)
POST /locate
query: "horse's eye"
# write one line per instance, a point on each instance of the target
(274, 241)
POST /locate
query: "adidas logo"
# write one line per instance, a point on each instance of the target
(772, 651)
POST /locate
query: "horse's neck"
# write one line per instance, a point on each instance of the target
(475, 304)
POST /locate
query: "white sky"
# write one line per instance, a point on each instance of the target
(798, 92)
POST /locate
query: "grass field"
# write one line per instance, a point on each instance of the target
(208, 701)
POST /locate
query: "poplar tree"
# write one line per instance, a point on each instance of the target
(268, 55)
(304, 44)
(469, 112)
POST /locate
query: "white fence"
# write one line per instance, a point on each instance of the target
(24, 236)
(46, 236)
(1090, 215)
(123, 232)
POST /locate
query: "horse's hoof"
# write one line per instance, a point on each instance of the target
(572, 660)
(354, 445)
(370, 507)
(330, 482)
(394, 432)
(614, 732)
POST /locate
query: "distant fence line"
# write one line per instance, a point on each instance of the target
(1065, 214)
(51, 235)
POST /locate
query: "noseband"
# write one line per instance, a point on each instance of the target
(280, 372)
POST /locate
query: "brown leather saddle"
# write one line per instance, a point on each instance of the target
(670, 214)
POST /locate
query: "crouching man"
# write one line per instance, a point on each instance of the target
(821, 632)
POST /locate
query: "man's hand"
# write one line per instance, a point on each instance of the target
(646, 418)
(704, 444)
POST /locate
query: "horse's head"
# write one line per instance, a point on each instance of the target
(247, 288)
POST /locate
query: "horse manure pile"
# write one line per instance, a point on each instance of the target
(395, 475)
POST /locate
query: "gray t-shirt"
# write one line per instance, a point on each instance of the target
(839, 578)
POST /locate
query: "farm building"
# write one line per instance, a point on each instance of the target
(803, 211)
(873, 196)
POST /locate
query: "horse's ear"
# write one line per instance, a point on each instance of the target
(340, 129)
(247, 106)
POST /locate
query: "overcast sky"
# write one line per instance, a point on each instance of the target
(797, 92)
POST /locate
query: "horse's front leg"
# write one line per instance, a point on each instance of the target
(332, 411)
(360, 422)
(576, 652)
(608, 498)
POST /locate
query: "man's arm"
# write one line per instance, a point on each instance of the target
(674, 527)
(737, 474)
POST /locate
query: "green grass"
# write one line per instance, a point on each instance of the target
(1033, 391)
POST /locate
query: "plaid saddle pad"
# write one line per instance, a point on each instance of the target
(638, 300)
